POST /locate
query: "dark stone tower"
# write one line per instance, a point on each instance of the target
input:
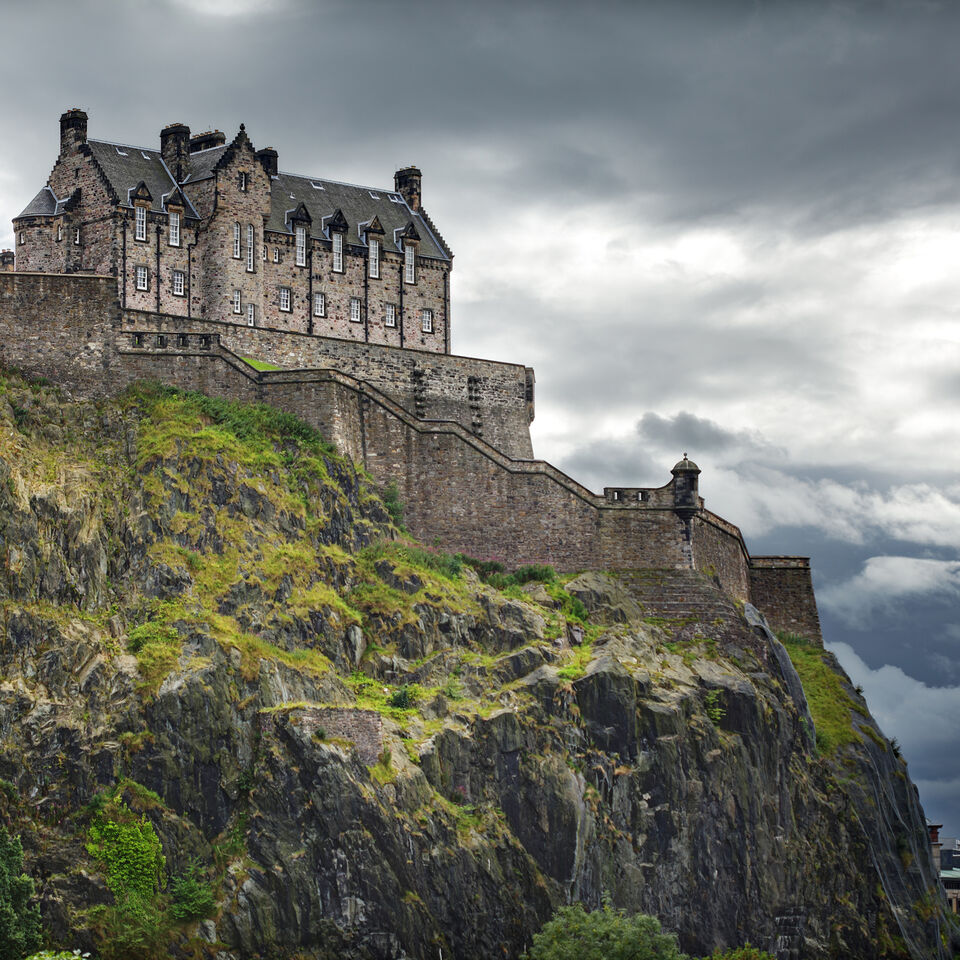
(175, 148)
(686, 496)
(73, 129)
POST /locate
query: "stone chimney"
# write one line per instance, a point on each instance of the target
(207, 139)
(269, 160)
(73, 129)
(407, 183)
(7, 258)
(175, 148)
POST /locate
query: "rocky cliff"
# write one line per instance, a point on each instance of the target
(212, 627)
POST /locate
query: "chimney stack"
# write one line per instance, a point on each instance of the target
(73, 129)
(407, 183)
(175, 148)
(269, 160)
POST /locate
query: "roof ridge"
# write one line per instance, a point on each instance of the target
(342, 183)
(116, 143)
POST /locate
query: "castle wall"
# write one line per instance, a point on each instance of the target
(486, 397)
(782, 589)
(718, 551)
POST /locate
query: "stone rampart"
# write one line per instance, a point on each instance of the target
(783, 589)
(491, 400)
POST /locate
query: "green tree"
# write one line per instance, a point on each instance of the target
(605, 934)
(19, 919)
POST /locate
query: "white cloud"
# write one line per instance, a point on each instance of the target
(884, 581)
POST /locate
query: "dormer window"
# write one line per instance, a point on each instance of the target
(243, 180)
(301, 246)
(236, 241)
(140, 230)
(251, 242)
(375, 259)
(174, 229)
(409, 263)
(338, 253)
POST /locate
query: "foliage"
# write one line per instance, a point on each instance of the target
(58, 955)
(130, 851)
(605, 934)
(578, 666)
(19, 919)
(403, 698)
(391, 500)
(191, 898)
(260, 364)
(715, 711)
(829, 703)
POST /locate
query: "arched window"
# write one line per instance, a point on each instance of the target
(236, 241)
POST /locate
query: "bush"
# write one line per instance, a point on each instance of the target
(746, 952)
(402, 698)
(130, 850)
(191, 898)
(605, 934)
(19, 919)
(391, 500)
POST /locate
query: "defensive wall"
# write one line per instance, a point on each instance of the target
(458, 489)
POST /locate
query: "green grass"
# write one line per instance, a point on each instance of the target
(260, 364)
(830, 705)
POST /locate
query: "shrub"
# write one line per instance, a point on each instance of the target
(402, 698)
(130, 851)
(19, 919)
(190, 897)
(391, 500)
(746, 952)
(574, 934)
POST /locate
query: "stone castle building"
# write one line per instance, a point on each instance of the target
(202, 228)
(200, 263)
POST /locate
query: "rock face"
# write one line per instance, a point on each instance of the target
(209, 605)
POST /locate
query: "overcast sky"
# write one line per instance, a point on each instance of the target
(721, 227)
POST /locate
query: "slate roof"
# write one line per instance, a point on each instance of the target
(359, 206)
(126, 166)
(200, 165)
(44, 204)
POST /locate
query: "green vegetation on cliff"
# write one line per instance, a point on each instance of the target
(234, 693)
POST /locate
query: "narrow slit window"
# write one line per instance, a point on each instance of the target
(319, 305)
(141, 223)
(174, 229)
(236, 241)
(76, 237)
(355, 309)
(59, 232)
(276, 254)
(301, 246)
(251, 314)
(375, 259)
(338, 253)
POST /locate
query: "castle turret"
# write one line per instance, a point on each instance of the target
(269, 160)
(73, 129)
(407, 183)
(175, 148)
(686, 495)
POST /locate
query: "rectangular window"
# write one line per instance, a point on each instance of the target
(338, 253)
(251, 314)
(59, 232)
(285, 299)
(143, 279)
(174, 229)
(375, 259)
(76, 237)
(426, 321)
(319, 305)
(276, 254)
(355, 309)
(390, 318)
(263, 253)
(141, 223)
(301, 246)
(251, 242)
(236, 301)
(179, 283)
(409, 263)
(243, 180)
(236, 241)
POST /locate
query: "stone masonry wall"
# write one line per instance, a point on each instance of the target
(782, 589)
(718, 551)
(488, 398)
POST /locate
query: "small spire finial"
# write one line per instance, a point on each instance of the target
(684, 454)
(242, 127)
